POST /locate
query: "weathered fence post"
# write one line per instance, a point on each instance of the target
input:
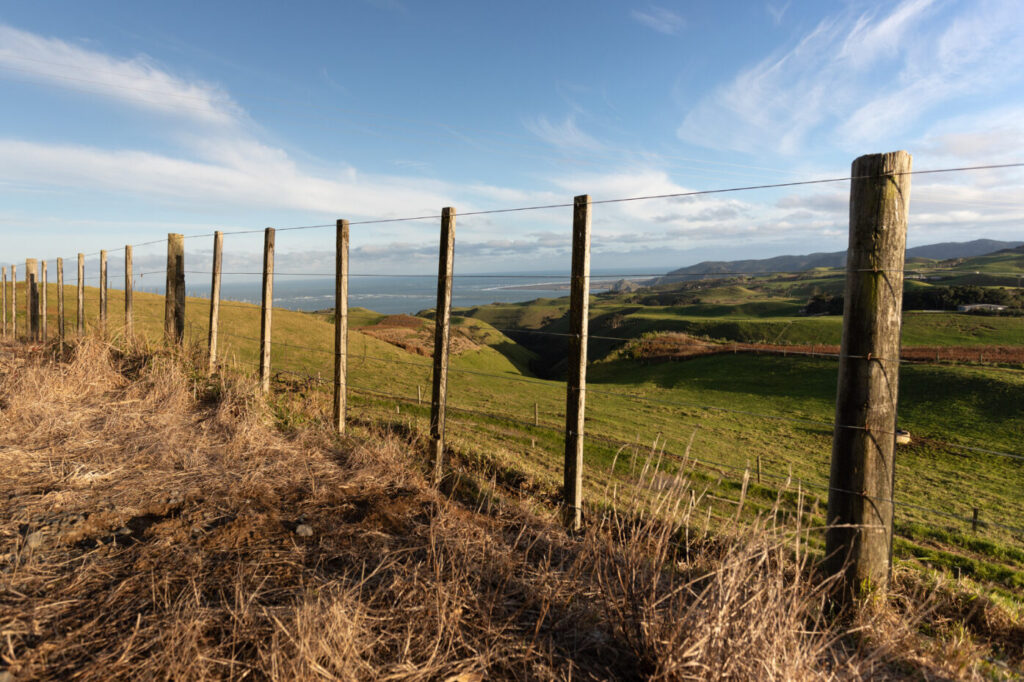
(42, 301)
(3, 297)
(576, 385)
(32, 297)
(80, 321)
(129, 323)
(858, 542)
(536, 414)
(103, 289)
(442, 336)
(340, 324)
(60, 299)
(218, 259)
(174, 293)
(266, 308)
(14, 301)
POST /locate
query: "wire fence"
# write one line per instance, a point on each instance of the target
(392, 371)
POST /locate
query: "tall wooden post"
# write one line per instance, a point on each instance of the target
(14, 301)
(80, 316)
(60, 300)
(340, 324)
(174, 294)
(32, 297)
(129, 281)
(103, 289)
(3, 298)
(218, 249)
(579, 307)
(860, 510)
(266, 308)
(42, 300)
(442, 336)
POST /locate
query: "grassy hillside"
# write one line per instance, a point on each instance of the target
(159, 524)
(730, 409)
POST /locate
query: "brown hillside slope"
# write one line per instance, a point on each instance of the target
(156, 525)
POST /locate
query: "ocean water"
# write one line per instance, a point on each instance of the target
(393, 294)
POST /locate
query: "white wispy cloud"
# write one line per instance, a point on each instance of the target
(137, 82)
(565, 135)
(862, 80)
(660, 19)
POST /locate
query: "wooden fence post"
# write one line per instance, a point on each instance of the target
(858, 543)
(60, 299)
(129, 323)
(218, 259)
(103, 289)
(266, 308)
(80, 320)
(442, 336)
(32, 298)
(576, 385)
(174, 293)
(340, 324)
(3, 297)
(14, 301)
(42, 300)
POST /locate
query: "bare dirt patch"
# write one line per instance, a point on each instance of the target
(416, 335)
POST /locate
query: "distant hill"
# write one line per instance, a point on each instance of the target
(837, 259)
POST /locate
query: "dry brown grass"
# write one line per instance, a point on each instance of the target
(149, 531)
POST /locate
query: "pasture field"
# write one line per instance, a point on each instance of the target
(726, 411)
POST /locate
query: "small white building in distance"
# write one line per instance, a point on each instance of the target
(992, 307)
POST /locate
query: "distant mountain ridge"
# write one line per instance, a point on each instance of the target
(837, 259)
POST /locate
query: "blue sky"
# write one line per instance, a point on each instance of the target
(122, 122)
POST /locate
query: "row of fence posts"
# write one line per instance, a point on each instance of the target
(36, 293)
(860, 508)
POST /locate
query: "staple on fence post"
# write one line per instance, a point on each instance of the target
(174, 292)
(211, 341)
(442, 335)
(103, 289)
(340, 323)
(576, 384)
(80, 315)
(60, 300)
(129, 323)
(32, 297)
(42, 301)
(858, 541)
(266, 308)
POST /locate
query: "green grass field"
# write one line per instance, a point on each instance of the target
(731, 409)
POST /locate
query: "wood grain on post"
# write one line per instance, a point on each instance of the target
(80, 315)
(32, 297)
(174, 293)
(103, 289)
(266, 308)
(860, 509)
(218, 259)
(60, 299)
(43, 280)
(442, 337)
(129, 326)
(340, 324)
(576, 386)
